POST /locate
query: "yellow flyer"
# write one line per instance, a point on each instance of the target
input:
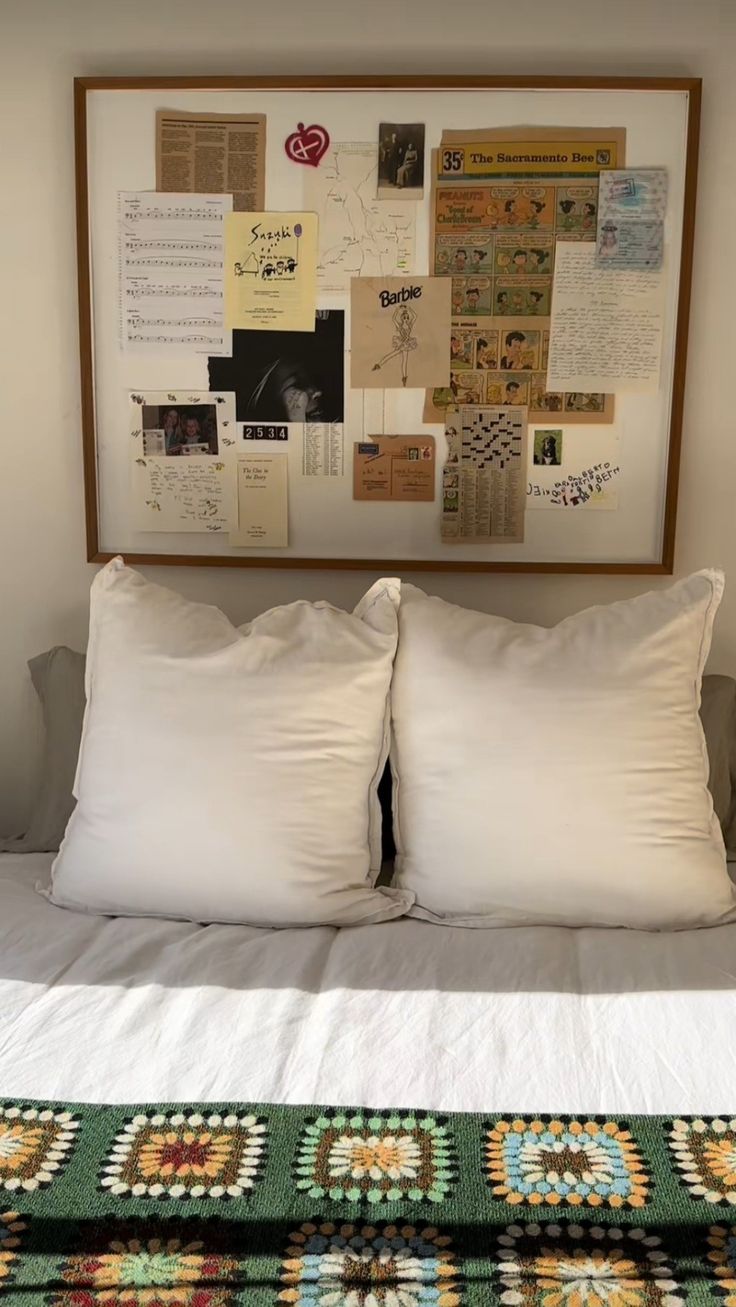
(270, 271)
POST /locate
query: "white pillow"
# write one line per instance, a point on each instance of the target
(558, 776)
(230, 774)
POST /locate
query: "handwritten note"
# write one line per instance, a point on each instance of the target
(606, 329)
(175, 493)
(170, 269)
(594, 487)
(271, 271)
(196, 499)
(262, 501)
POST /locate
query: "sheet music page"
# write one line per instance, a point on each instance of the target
(171, 261)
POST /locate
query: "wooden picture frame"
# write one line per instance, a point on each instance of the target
(100, 550)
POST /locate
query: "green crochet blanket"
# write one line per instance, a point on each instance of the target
(224, 1204)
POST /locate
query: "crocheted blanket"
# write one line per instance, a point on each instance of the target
(258, 1205)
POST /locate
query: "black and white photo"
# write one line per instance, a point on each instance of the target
(286, 376)
(401, 161)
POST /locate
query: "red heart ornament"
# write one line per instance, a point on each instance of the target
(307, 144)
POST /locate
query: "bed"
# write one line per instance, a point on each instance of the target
(439, 1018)
(376, 1093)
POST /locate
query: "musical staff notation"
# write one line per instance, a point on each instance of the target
(171, 250)
(176, 213)
(166, 322)
(183, 246)
(151, 261)
(158, 289)
(181, 338)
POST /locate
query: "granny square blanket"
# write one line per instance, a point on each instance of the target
(184, 1205)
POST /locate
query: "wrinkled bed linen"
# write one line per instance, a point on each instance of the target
(534, 1019)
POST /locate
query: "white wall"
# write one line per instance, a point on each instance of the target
(44, 43)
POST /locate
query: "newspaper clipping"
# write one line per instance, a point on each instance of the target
(484, 488)
(499, 205)
(213, 152)
(504, 361)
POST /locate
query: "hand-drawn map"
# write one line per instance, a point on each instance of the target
(359, 235)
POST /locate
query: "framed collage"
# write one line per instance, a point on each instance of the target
(420, 323)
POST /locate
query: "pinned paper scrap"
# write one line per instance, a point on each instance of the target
(484, 479)
(399, 469)
(632, 203)
(271, 271)
(263, 520)
(399, 332)
(287, 376)
(359, 235)
(606, 330)
(323, 449)
(182, 450)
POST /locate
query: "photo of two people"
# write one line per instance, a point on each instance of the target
(173, 429)
(401, 161)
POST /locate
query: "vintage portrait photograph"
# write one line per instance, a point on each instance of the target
(188, 429)
(286, 376)
(401, 161)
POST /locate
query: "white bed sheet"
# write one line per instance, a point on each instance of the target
(402, 1014)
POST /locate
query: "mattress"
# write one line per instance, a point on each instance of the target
(534, 1019)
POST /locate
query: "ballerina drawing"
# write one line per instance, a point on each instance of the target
(403, 342)
(399, 332)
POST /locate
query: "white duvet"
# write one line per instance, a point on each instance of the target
(402, 1014)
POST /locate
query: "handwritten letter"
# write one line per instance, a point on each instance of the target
(606, 331)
